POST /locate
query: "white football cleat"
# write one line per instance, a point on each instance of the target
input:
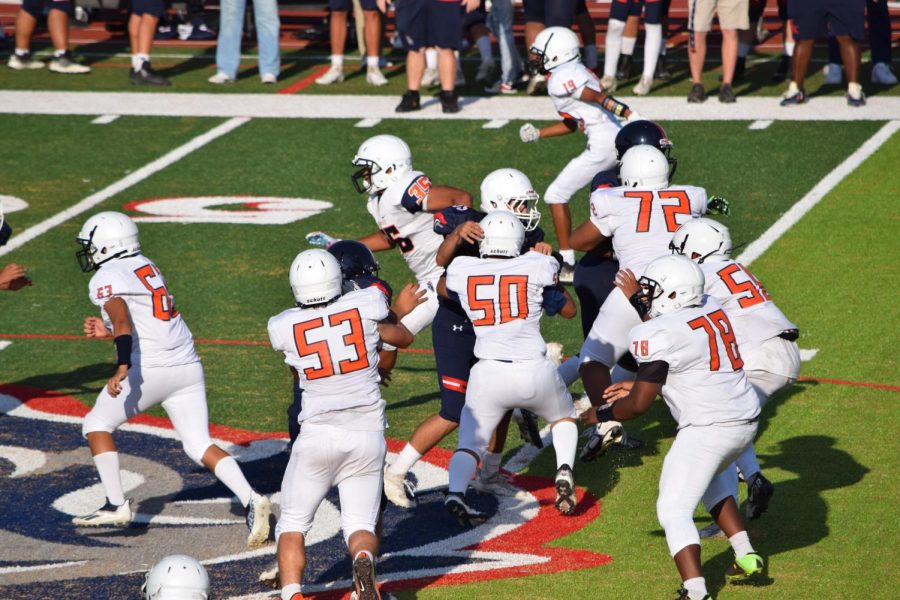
(258, 511)
(375, 77)
(495, 485)
(464, 514)
(609, 83)
(269, 577)
(398, 490)
(221, 78)
(555, 353)
(643, 86)
(107, 515)
(430, 78)
(333, 75)
(602, 437)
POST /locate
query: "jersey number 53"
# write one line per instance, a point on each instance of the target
(322, 349)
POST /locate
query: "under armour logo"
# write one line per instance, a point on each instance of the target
(457, 327)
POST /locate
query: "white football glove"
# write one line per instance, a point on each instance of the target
(529, 133)
(320, 238)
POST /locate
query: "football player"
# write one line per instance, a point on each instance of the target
(653, 40)
(640, 217)
(504, 294)
(331, 340)
(155, 364)
(687, 352)
(175, 577)
(583, 104)
(768, 340)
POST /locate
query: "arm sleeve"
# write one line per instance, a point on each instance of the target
(452, 217)
(273, 335)
(600, 216)
(699, 200)
(649, 344)
(416, 194)
(653, 372)
(554, 300)
(374, 304)
(532, 237)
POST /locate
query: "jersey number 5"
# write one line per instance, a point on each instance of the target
(670, 211)
(717, 323)
(756, 293)
(355, 338)
(508, 286)
(163, 305)
(405, 244)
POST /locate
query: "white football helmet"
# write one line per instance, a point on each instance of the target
(106, 236)
(555, 46)
(504, 235)
(705, 237)
(176, 577)
(511, 190)
(315, 277)
(672, 282)
(384, 160)
(644, 167)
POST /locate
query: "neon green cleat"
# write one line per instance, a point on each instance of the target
(745, 567)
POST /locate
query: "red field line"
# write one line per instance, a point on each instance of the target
(877, 386)
(306, 81)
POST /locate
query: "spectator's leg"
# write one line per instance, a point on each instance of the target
(58, 24)
(802, 55)
(501, 19)
(879, 31)
(268, 28)
(447, 68)
(850, 56)
(415, 67)
(698, 56)
(629, 41)
(25, 24)
(228, 45)
(338, 33)
(729, 54)
(373, 34)
(588, 38)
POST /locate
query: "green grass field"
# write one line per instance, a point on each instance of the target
(828, 448)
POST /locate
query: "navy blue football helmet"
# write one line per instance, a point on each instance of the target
(649, 133)
(355, 259)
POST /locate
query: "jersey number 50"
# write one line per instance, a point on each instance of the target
(507, 287)
(321, 349)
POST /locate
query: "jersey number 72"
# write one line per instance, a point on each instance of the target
(322, 350)
(646, 198)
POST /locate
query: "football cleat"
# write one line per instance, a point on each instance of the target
(744, 568)
(66, 65)
(662, 69)
(528, 427)
(398, 490)
(628, 442)
(697, 94)
(602, 437)
(335, 74)
(712, 532)
(555, 353)
(147, 76)
(726, 94)
(409, 102)
(793, 95)
(465, 515)
(566, 273)
(24, 62)
(609, 83)
(269, 577)
(643, 86)
(108, 515)
(495, 485)
(759, 493)
(684, 595)
(258, 511)
(430, 78)
(623, 71)
(364, 577)
(375, 77)
(856, 101)
(565, 490)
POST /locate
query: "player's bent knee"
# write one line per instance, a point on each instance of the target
(94, 423)
(195, 450)
(292, 524)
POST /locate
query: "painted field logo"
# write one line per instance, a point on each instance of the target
(253, 210)
(48, 476)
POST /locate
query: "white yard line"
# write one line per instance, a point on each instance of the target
(4, 345)
(828, 183)
(126, 182)
(495, 124)
(368, 122)
(104, 119)
(757, 125)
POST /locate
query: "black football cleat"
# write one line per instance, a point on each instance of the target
(409, 103)
(147, 76)
(759, 493)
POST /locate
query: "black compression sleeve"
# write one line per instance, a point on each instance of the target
(653, 372)
(123, 350)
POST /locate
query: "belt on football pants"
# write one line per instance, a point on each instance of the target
(790, 335)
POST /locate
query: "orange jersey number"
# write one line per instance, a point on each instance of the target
(756, 293)
(713, 323)
(163, 305)
(509, 286)
(682, 207)
(355, 338)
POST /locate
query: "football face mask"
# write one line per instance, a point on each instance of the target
(362, 179)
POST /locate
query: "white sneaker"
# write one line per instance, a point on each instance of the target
(66, 65)
(643, 86)
(258, 512)
(832, 73)
(268, 78)
(221, 78)
(398, 490)
(495, 485)
(609, 83)
(375, 77)
(881, 73)
(333, 75)
(24, 63)
(431, 78)
(108, 514)
(485, 70)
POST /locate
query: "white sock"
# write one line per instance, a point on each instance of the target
(743, 49)
(568, 256)
(57, 53)
(372, 62)
(337, 60)
(789, 48)
(748, 464)
(107, 465)
(568, 370)
(613, 47)
(740, 543)
(490, 464)
(289, 590)
(137, 61)
(628, 44)
(229, 473)
(590, 56)
(484, 49)
(652, 43)
(405, 461)
(696, 587)
(854, 89)
(462, 468)
(22, 51)
(565, 442)
(431, 58)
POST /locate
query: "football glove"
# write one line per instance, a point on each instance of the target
(320, 238)
(529, 133)
(718, 205)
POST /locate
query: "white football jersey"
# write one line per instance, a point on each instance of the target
(706, 382)
(504, 298)
(565, 85)
(160, 337)
(334, 349)
(641, 222)
(749, 307)
(400, 214)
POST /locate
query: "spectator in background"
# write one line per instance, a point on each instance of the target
(621, 12)
(843, 18)
(538, 15)
(58, 24)
(422, 23)
(228, 48)
(879, 41)
(142, 24)
(339, 10)
(733, 15)
(746, 39)
(474, 26)
(588, 33)
(500, 21)
(13, 277)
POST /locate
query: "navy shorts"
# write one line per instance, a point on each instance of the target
(552, 13)
(154, 8)
(813, 19)
(35, 8)
(347, 5)
(653, 10)
(454, 355)
(423, 23)
(479, 15)
(758, 6)
(594, 277)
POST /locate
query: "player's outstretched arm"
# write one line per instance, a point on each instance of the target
(13, 277)
(443, 196)
(586, 237)
(608, 103)
(469, 231)
(636, 403)
(395, 335)
(377, 242)
(122, 330)
(570, 309)
(408, 299)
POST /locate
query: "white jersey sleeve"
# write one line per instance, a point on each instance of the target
(160, 337)
(565, 86)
